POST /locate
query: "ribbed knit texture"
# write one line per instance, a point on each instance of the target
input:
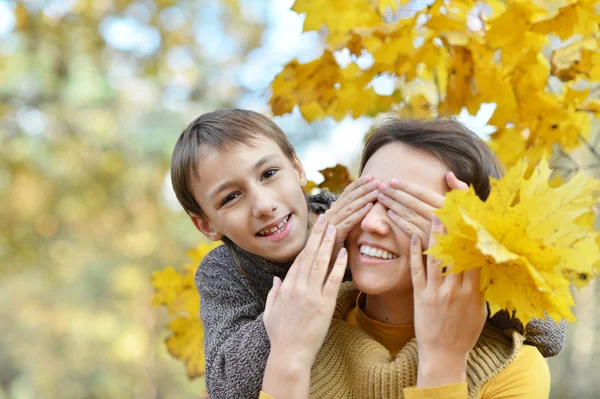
(351, 364)
(231, 306)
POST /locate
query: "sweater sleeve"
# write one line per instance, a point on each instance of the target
(236, 344)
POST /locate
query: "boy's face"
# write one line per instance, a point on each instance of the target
(253, 195)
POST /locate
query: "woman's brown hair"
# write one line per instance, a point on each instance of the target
(465, 154)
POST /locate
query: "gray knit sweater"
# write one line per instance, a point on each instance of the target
(232, 303)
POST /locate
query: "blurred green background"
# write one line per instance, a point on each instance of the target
(93, 95)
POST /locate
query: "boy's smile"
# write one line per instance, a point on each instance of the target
(253, 195)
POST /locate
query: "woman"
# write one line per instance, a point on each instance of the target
(396, 296)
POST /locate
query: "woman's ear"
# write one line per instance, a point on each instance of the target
(299, 171)
(205, 228)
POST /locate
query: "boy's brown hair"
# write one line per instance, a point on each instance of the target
(222, 130)
(467, 155)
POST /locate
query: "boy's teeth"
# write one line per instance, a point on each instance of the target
(275, 228)
(376, 252)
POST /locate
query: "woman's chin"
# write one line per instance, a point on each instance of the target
(380, 283)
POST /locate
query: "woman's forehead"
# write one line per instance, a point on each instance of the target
(400, 161)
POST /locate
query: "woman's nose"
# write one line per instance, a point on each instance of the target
(376, 221)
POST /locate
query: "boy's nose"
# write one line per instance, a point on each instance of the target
(376, 221)
(264, 205)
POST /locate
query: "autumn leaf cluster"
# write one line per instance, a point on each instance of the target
(176, 291)
(536, 60)
(531, 240)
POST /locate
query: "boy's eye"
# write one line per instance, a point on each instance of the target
(229, 198)
(269, 173)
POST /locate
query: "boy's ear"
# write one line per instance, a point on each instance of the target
(300, 171)
(205, 228)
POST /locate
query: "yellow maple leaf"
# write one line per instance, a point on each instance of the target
(460, 79)
(339, 16)
(384, 5)
(566, 61)
(336, 178)
(177, 292)
(579, 17)
(187, 343)
(167, 286)
(528, 238)
(310, 86)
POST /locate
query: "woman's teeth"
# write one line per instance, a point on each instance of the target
(275, 229)
(376, 252)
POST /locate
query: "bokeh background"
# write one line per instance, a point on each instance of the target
(93, 95)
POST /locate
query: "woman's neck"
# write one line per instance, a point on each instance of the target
(395, 309)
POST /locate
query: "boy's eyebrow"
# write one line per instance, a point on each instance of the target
(227, 184)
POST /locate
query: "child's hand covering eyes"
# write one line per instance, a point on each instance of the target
(351, 207)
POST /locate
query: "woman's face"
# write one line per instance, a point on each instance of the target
(388, 270)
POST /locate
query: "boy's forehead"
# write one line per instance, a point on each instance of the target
(237, 157)
(248, 146)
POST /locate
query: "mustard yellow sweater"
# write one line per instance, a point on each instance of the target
(356, 361)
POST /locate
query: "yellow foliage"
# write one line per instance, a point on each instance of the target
(530, 239)
(471, 54)
(176, 291)
(336, 178)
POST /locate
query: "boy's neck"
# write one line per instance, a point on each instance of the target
(391, 308)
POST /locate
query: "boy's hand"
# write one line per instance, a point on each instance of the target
(351, 207)
(298, 313)
(411, 206)
(449, 316)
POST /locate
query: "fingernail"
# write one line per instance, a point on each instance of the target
(330, 229)
(321, 219)
(395, 182)
(414, 240)
(383, 186)
(367, 178)
(370, 204)
(342, 252)
(382, 197)
(393, 214)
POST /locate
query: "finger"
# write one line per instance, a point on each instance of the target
(346, 225)
(300, 269)
(406, 213)
(455, 184)
(434, 266)
(409, 229)
(341, 213)
(418, 191)
(472, 280)
(357, 188)
(417, 271)
(453, 279)
(334, 280)
(416, 204)
(319, 268)
(273, 293)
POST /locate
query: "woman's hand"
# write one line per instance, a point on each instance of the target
(411, 206)
(351, 207)
(449, 316)
(298, 313)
